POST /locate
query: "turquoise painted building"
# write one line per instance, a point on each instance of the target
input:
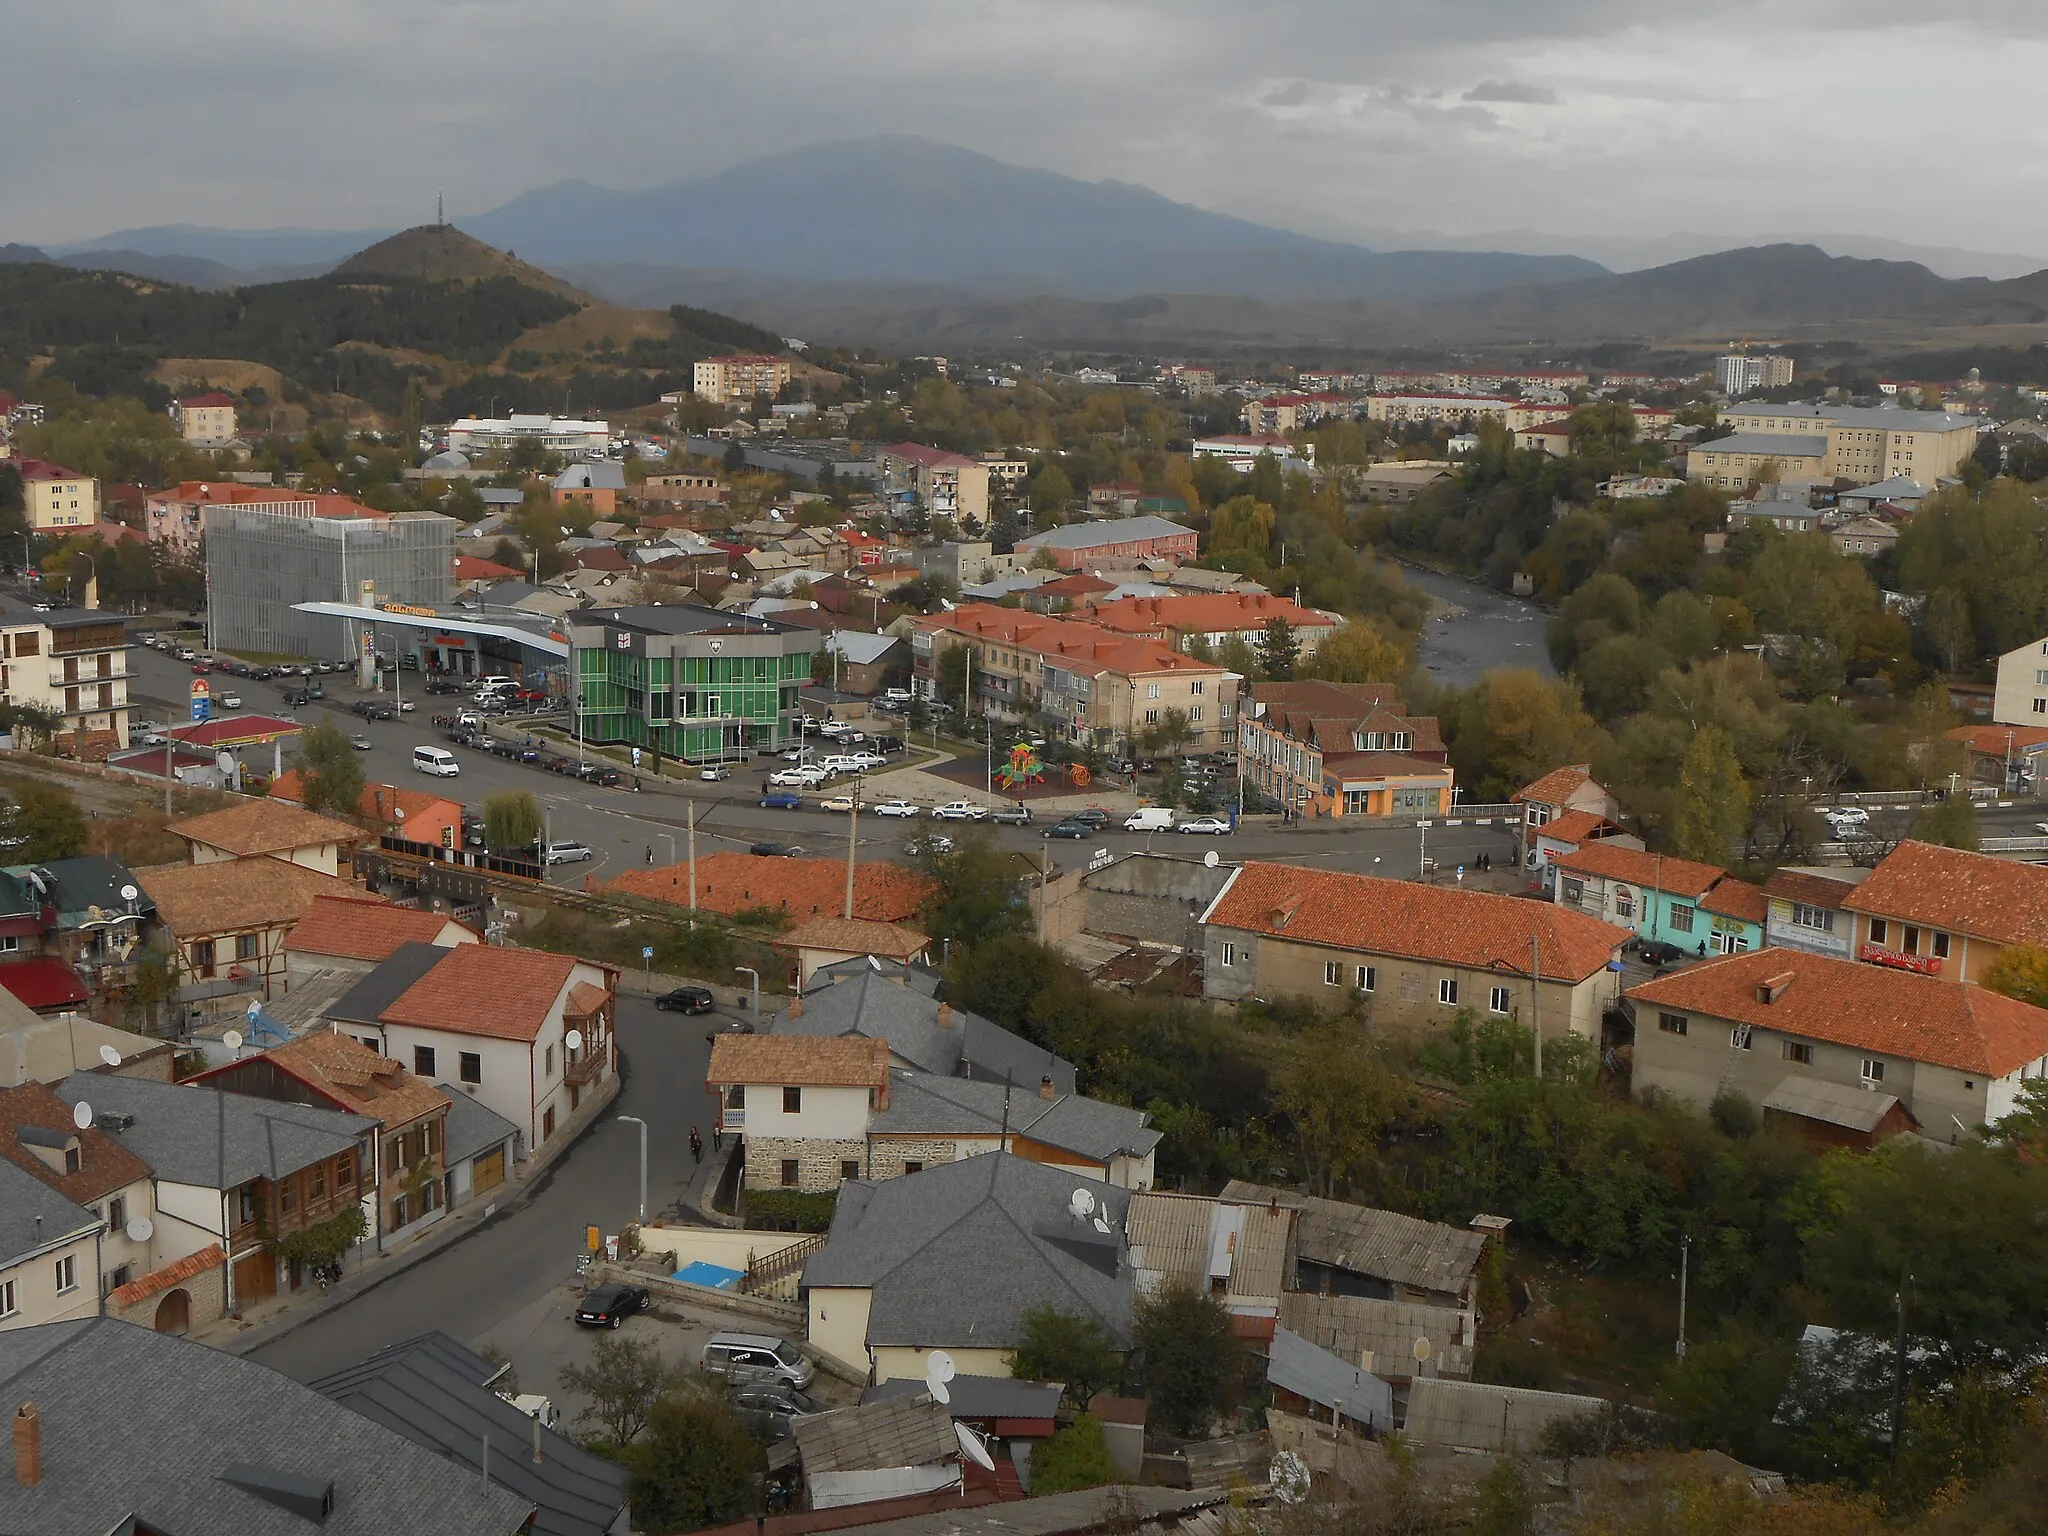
(1697, 907)
(689, 682)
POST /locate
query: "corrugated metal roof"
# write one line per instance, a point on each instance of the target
(1831, 1103)
(1369, 1241)
(1380, 1335)
(909, 1431)
(1470, 1416)
(1194, 1239)
(1310, 1371)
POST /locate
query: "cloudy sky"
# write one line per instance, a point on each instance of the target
(1582, 117)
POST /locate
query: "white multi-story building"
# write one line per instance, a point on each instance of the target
(73, 663)
(739, 376)
(555, 434)
(1740, 374)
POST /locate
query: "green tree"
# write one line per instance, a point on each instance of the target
(1711, 814)
(953, 675)
(977, 894)
(2021, 971)
(1950, 630)
(1051, 490)
(1192, 1362)
(1076, 1457)
(1340, 1098)
(1166, 735)
(511, 820)
(697, 1466)
(621, 1383)
(330, 771)
(1505, 1506)
(1074, 1348)
(1360, 652)
(1950, 821)
(48, 822)
(1279, 650)
(1241, 533)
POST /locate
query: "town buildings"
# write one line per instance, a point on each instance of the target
(1696, 907)
(1732, 462)
(74, 664)
(1738, 373)
(1201, 621)
(205, 421)
(1834, 442)
(1076, 546)
(949, 485)
(1085, 681)
(738, 377)
(1836, 1045)
(1242, 451)
(689, 682)
(1415, 954)
(733, 881)
(2020, 697)
(1804, 910)
(1342, 749)
(1944, 912)
(57, 499)
(1570, 788)
(571, 438)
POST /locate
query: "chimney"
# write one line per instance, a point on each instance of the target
(28, 1446)
(1046, 1089)
(796, 1007)
(945, 1015)
(536, 1439)
(1772, 988)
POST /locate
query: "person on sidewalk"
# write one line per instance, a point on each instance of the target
(650, 855)
(696, 1146)
(717, 1138)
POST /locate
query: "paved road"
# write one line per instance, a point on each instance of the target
(502, 1271)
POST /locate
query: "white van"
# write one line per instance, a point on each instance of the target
(436, 760)
(494, 684)
(1149, 818)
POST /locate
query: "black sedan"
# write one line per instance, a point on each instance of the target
(687, 1000)
(610, 1305)
(1656, 951)
(1075, 829)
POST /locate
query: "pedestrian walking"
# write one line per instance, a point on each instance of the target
(650, 853)
(717, 1138)
(696, 1145)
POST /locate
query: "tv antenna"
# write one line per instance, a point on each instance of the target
(972, 1447)
(1081, 1205)
(139, 1229)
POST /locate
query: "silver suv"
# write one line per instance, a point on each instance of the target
(756, 1357)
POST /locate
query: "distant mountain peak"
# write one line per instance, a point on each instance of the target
(441, 253)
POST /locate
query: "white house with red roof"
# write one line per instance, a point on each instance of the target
(1570, 788)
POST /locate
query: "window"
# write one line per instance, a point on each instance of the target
(792, 1101)
(72, 1161)
(1151, 690)
(345, 1170)
(117, 1213)
(1196, 686)
(1798, 1052)
(1194, 712)
(1739, 1038)
(1333, 973)
(1625, 904)
(1820, 919)
(1873, 1070)
(7, 1303)
(119, 1276)
(2041, 706)
(1941, 945)
(423, 1062)
(470, 1067)
(1681, 917)
(548, 1062)
(789, 1173)
(849, 1168)
(547, 1123)
(247, 946)
(67, 1274)
(1151, 717)
(1878, 933)
(1574, 890)
(913, 1167)
(1367, 978)
(1447, 991)
(1912, 940)
(316, 1182)
(1229, 953)
(1498, 1000)
(1671, 1023)
(287, 1194)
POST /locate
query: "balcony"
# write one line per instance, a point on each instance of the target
(584, 1068)
(1899, 960)
(87, 679)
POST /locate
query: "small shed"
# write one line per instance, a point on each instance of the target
(1836, 1115)
(1470, 1416)
(879, 1450)
(1310, 1376)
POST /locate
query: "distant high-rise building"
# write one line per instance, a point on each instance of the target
(1740, 374)
(740, 377)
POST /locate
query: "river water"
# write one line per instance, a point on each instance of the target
(1476, 628)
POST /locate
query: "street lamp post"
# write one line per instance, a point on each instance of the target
(749, 971)
(670, 839)
(636, 1120)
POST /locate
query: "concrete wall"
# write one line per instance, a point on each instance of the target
(838, 1323)
(1154, 898)
(733, 1250)
(901, 1363)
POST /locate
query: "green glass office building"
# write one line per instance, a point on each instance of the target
(689, 682)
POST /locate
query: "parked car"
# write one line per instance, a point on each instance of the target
(775, 850)
(1073, 829)
(229, 701)
(781, 800)
(686, 1000)
(360, 742)
(794, 754)
(896, 808)
(1011, 816)
(959, 810)
(1655, 951)
(931, 843)
(1090, 816)
(888, 745)
(728, 1027)
(755, 1358)
(840, 803)
(1215, 826)
(796, 778)
(610, 1305)
(568, 852)
(714, 773)
(772, 1407)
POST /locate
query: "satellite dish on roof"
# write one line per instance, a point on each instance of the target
(232, 1039)
(81, 1115)
(1422, 1349)
(938, 1370)
(110, 1056)
(1082, 1203)
(1101, 1225)
(129, 893)
(573, 1040)
(972, 1448)
(139, 1229)
(1210, 860)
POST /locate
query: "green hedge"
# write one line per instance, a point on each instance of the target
(787, 1210)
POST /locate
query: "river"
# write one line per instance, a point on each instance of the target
(1476, 628)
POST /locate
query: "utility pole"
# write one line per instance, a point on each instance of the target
(1684, 1268)
(636, 1120)
(1422, 857)
(852, 843)
(1536, 1000)
(1899, 1372)
(690, 811)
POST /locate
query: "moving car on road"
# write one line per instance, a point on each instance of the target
(775, 850)
(1073, 829)
(610, 1305)
(781, 800)
(896, 808)
(686, 1000)
(360, 742)
(1215, 826)
(841, 803)
(1090, 816)
(1011, 816)
(959, 810)
(714, 773)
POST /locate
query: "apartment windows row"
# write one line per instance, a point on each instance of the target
(469, 1065)
(1911, 939)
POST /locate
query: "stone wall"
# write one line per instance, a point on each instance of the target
(818, 1161)
(208, 1290)
(890, 1153)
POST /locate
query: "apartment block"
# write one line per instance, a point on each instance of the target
(1860, 445)
(739, 376)
(205, 421)
(1740, 374)
(58, 498)
(73, 663)
(1342, 749)
(950, 484)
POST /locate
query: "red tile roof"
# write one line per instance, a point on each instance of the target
(1556, 786)
(931, 458)
(1206, 613)
(1573, 826)
(1970, 893)
(266, 826)
(856, 936)
(804, 888)
(212, 397)
(1808, 889)
(1868, 1007)
(1737, 898)
(177, 1272)
(1074, 644)
(351, 1076)
(476, 568)
(1997, 740)
(506, 994)
(1656, 871)
(104, 1165)
(1397, 917)
(357, 928)
(43, 981)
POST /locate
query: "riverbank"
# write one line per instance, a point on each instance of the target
(1473, 629)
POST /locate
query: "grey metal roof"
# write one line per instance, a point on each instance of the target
(426, 1392)
(33, 1215)
(365, 1002)
(1470, 1416)
(1197, 1240)
(76, 886)
(906, 1431)
(982, 1397)
(956, 1255)
(1354, 1327)
(1369, 1241)
(870, 1003)
(925, 981)
(1783, 445)
(1113, 530)
(686, 619)
(139, 1427)
(602, 475)
(924, 1103)
(460, 1358)
(210, 1139)
(472, 1125)
(1309, 1371)
(860, 648)
(1831, 1103)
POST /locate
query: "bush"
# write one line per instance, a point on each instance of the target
(788, 1210)
(1505, 1360)
(1735, 1115)
(1075, 1458)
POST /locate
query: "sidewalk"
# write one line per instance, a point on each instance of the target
(273, 1319)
